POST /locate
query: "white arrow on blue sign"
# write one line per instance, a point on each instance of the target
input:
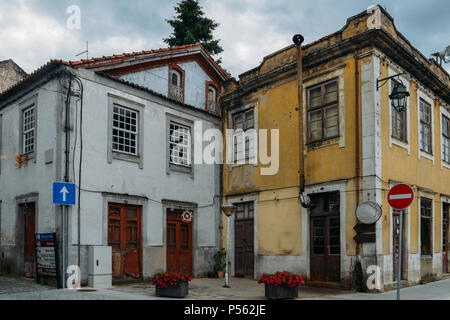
(64, 193)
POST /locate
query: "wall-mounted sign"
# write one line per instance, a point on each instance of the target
(401, 196)
(47, 256)
(186, 216)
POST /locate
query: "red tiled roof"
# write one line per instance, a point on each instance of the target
(34, 75)
(117, 59)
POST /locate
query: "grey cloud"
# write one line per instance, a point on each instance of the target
(249, 30)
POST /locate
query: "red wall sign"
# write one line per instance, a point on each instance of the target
(401, 196)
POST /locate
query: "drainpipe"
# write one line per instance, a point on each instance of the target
(357, 138)
(298, 40)
(66, 179)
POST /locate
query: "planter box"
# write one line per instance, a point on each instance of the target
(281, 292)
(173, 292)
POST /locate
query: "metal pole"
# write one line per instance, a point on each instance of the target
(226, 253)
(400, 249)
(64, 267)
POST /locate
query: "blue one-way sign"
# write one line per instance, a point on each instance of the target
(64, 193)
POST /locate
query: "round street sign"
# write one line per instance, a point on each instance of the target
(401, 196)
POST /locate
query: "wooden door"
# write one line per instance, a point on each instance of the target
(244, 240)
(29, 219)
(124, 236)
(179, 243)
(326, 248)
(445, 237)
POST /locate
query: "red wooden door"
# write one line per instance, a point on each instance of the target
(445, 237)
(326, 248)
(124, 236)
(244, 255)
(29, 240)
(179, 243)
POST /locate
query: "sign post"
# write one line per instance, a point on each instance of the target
(400, 198)
(64, 194)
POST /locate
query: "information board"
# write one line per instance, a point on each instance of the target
(47, 256)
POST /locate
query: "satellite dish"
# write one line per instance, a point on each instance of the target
(445, 54)
(368, 212)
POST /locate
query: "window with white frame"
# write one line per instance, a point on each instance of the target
(28, 130)
(425, 127)
(323, 111)
(179, 144)
(242, 123)
(446, 139)
(125, 130)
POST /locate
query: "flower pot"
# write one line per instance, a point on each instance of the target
(173, 292)
(220, 274)
(281, 291)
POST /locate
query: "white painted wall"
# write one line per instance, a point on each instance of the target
(157, 79)
(152, 183)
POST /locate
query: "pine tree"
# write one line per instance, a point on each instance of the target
(191, 26)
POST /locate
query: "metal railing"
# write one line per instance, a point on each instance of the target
(176, 93)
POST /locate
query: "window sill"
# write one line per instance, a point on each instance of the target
(426, 256)
(426, 155)
(445, 165)
(248, 162)
(179, 168)
(127, 157)
(400, 143)
(322, 143)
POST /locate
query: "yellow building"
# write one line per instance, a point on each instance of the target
(355, 147)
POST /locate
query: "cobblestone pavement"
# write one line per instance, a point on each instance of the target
(210, 289)
(241, 289)
(199, 289)
(12, 285)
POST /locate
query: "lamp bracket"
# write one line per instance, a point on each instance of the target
(386, 79)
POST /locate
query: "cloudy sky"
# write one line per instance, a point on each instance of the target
(35, 31)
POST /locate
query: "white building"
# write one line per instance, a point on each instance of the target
(136, 169)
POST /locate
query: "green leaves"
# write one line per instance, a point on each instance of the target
(190, 26)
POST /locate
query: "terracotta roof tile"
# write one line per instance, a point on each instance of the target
(115, 59)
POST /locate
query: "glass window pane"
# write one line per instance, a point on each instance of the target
(331, 93)
(331, 122)
(315, 97)
(315, 125)
(239, 122)
(249, 120)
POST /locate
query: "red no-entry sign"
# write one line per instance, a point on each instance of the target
(401, 196)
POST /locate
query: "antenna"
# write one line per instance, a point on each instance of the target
(86, 51)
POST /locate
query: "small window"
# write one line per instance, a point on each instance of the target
(242, 122)
(176, 85)
(125, 130)
(28, 130)
(323, 112)
(425, 127)
(180, 145)
(212, 98)
(176, 78)
(399, 122)
(426, 225)
(446, 139)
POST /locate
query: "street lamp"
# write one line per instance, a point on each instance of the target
(228, 210)
(399, 97)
